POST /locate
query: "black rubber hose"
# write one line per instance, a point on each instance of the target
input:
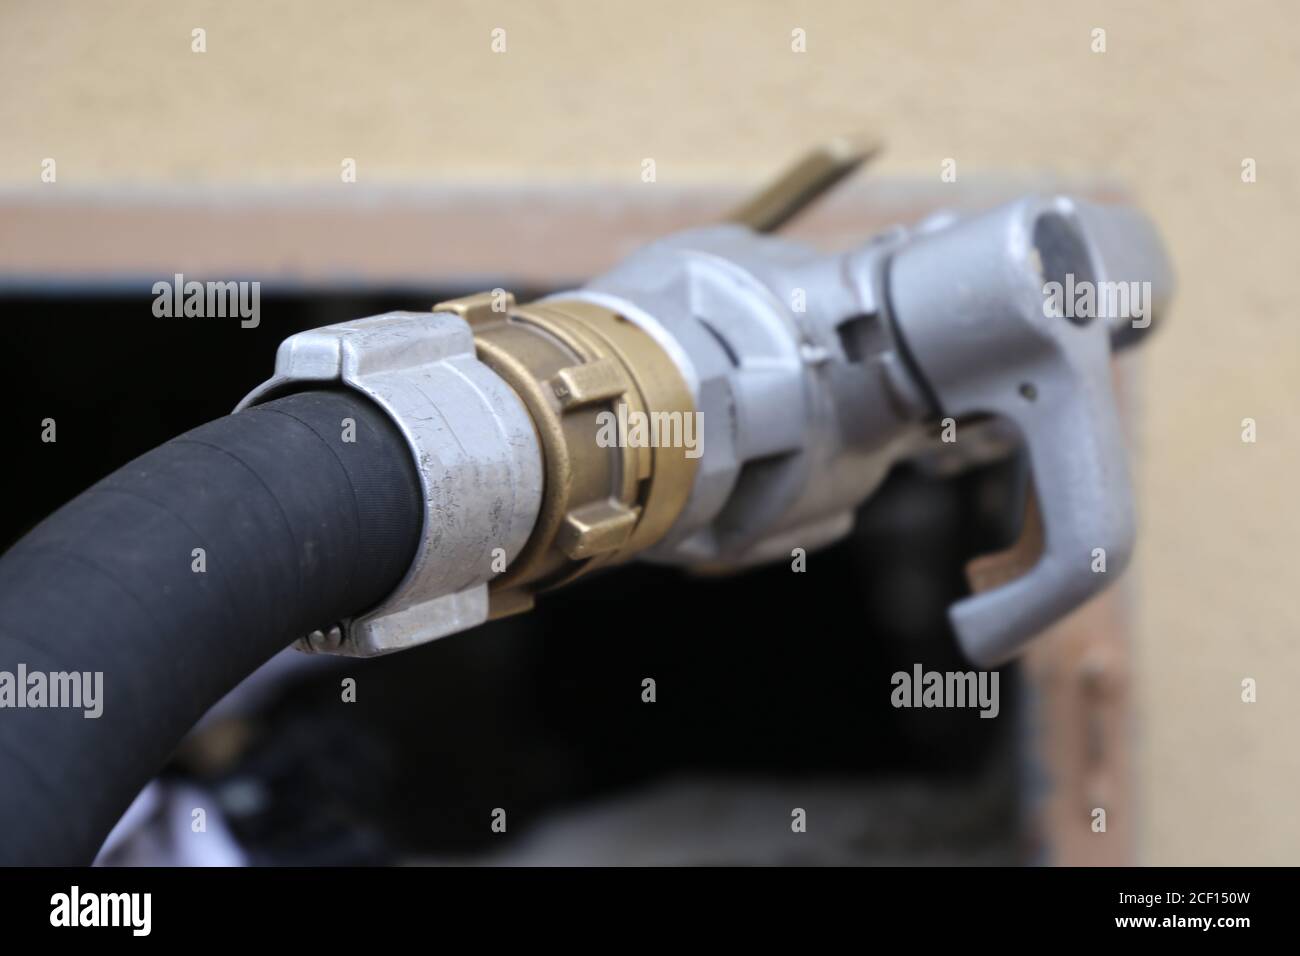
(298, 527)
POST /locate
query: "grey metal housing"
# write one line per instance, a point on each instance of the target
(815, 373)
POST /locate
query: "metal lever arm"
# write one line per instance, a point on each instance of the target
(971, 304)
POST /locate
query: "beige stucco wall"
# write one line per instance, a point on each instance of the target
(712, 91)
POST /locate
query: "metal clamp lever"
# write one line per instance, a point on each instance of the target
(970, 302)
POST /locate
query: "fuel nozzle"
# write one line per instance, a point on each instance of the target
(725, 396)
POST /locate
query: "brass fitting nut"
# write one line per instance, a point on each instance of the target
(574, 363)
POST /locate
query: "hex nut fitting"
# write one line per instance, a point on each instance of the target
(574, 364)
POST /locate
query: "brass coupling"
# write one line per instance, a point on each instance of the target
(597, 386)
